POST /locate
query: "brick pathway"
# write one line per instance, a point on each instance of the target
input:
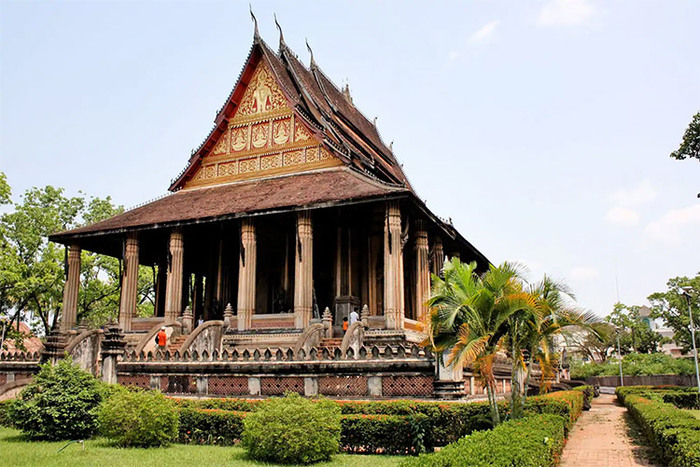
(600, 438)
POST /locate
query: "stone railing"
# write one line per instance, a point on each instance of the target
(288, 354)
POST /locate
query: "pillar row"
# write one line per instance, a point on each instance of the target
(173, 290)
(303, 271)
(246, 275)
(70, 291)
(130, 282)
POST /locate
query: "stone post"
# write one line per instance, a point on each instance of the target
(327, 321)
(173, 293)
(228, 316)
(113, 345)
(364, 316)
(303, 271)
(70, 291)
(187, 321)
(130, 282)
(422, 273)
(393, 268)
(449, 382)
(54, 347)
(246, 275)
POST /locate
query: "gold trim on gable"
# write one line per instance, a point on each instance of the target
(263, 138)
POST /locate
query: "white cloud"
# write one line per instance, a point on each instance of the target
(622, 215)
(583, 273)
(642, 193)
(484, 34)
(673, 225)
(565, 12)
(624, 201)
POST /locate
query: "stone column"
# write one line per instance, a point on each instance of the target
(438, 257)
(113, 345)
(422, 273)
(303, 271)
(246, 275)
(393, 268)
(70, 291)
(173, 291)
(130, 282)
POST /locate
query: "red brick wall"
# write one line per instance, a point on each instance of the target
(270, 386)
(407, 386)
(342, 385)
(228, 385)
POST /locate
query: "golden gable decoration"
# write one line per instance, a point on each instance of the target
(264, 138)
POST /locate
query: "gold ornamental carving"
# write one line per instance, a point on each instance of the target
(264, 138)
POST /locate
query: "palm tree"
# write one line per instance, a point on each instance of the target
(469, 317)
(553, 302)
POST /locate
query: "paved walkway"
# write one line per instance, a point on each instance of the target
(601, 438)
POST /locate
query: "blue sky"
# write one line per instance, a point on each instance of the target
(542, 128)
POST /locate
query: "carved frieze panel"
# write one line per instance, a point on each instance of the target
(222, 146)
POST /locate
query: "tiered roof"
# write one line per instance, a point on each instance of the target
(326, 110)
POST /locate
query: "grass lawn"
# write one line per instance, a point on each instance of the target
(696, 413)
(15, 450)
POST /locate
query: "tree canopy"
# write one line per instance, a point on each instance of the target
(32, 268)
(690, 146)
(672, 307)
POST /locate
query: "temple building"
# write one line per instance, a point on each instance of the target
(292, 213)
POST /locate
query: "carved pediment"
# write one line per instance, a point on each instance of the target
(263, 138)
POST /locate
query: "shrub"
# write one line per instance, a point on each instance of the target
(292, 429)
(5, 416)
(674, 433)
(385, 434)
(60, 403)
(534, 441)
(210, 426)
(139, 418)
(635, 364)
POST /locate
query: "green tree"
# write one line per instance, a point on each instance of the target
(635, 335)
(690, 146)
(469, 317)
(672, 307)
(32, 268)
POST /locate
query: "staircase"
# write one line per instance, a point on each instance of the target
(176, 343)
(330, 343)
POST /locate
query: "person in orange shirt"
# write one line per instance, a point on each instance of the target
(162, 338)
(345, 325)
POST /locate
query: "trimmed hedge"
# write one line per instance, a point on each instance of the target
(392, 427)
(674, 434)
(683, 400)
(566, 404)
(210, 426)
(385, 434)
(533, 441)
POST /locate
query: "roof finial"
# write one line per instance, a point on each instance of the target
(280, 30)
(313, 63)
(391, 146)
(374, 122)
(346, 93)
(255, 21)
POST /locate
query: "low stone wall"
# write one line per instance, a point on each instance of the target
(653, 380)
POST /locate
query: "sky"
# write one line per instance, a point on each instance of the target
(541, 128)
